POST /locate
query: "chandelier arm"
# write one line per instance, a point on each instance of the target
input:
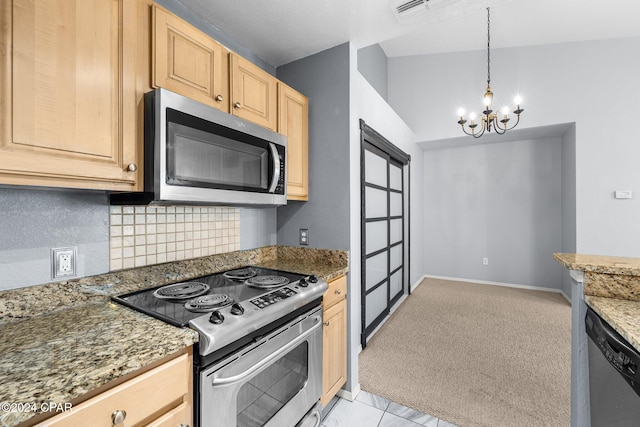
(479, 134)
(499, 130)
(465, 131)
(515, 124)
(473, 134)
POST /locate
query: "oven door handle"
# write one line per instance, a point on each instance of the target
(276, 167)
(267, 360)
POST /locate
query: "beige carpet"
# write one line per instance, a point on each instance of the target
(475, 355)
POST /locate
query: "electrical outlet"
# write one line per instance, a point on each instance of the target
(485, 261)
(63, 262)
(304, 236)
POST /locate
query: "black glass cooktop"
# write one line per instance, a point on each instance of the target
(175, 312)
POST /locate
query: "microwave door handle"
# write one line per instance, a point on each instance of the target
(276, 167)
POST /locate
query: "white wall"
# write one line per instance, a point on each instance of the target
(367, 104)
(594, 84)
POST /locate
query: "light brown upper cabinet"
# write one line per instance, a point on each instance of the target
(293, 121)
(72, 79)
(253, 93)
(189, 62)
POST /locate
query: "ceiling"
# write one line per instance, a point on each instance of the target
(281, 31)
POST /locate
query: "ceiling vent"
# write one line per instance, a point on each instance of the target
(405, 9)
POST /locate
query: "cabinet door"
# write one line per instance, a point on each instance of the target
(189, 62)
(334, 349)
(253, 93)
(62, 80)
(293, 121)
(161, 394)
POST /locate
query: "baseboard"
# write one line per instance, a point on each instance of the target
(349, 395)
(418, 282)
(506, 285)
(567, 297)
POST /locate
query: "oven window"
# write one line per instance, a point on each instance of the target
(266, 393)
(212, 160)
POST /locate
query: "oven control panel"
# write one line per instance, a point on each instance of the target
(273, 297)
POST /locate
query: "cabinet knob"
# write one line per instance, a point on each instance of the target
(118, 417)
(183, 425)
(132, 167)
(219, 98)
(338, 291)
(237, 105)
(325, 323)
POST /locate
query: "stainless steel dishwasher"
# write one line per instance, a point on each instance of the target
(614, 380)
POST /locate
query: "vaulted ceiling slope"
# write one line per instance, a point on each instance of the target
(281, 31)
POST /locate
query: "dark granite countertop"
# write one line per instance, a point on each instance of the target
(77, 340)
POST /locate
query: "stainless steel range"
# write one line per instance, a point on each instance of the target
(259, 360)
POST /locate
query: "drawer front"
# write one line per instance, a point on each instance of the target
(175, 417)
(337, 291)
(141, 397)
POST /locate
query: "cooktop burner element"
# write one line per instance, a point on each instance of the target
(267, 282)
(241, 274)
(181, 291)
(206, 303)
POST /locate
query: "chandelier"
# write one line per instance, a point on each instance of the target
(489, 119)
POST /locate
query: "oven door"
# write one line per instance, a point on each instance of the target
(273, 382)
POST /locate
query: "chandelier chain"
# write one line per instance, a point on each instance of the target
(488, 48)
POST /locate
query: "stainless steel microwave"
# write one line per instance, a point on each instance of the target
(197, 154)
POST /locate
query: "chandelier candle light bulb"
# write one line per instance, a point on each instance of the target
(489, 119)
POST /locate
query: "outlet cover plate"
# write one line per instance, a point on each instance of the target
(63, 262)
(304, 236)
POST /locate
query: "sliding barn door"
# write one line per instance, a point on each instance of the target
(384, 247)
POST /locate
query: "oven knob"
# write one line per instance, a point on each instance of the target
(216, 318)
(303, 283)
(313, 279)
(237, 309)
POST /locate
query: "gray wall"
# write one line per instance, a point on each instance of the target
(257, 227)
(568, 201)
(324, 79)
(502, 201)
(34, 221)
(372, 64)
(592, 84)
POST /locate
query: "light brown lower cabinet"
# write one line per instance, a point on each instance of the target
(334, 339)
(160, 397)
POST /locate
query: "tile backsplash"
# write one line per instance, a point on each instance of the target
(145, 235)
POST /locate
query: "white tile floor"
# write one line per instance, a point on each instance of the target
(370, 410)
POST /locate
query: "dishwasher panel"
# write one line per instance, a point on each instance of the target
(614, 380)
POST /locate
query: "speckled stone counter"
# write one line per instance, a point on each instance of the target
(62, 340)
(611, 289)
(60, 357)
